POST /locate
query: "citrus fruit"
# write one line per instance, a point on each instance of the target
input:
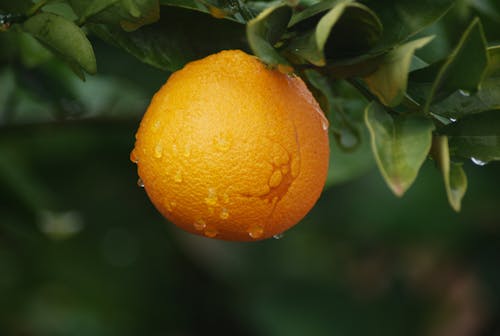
(231, 149)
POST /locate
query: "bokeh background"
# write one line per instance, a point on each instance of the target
(83, 251)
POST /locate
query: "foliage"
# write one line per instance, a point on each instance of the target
(429, 89)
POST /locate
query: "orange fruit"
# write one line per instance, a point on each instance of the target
(231, 149)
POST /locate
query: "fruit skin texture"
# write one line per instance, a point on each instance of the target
(232, 150)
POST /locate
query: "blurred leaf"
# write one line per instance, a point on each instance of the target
(93, 8)
(64, 38)
(476, 136)
(400, 145)
(389, 81)
(129, 14)
(32, 52)
(346, 30)
(347, 135)
(265, 30)
(493, 69)
(464, 68)
(404, 18)
(453, 174)
(179, 37)
(15, 6)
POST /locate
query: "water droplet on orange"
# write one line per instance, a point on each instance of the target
(200, 224)
(224, 214)
(158, 151)
(211, 232)
(275, 179)
(256, 231)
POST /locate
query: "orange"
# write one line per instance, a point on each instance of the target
(231, 149)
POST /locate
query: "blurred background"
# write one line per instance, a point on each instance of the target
(83, 251)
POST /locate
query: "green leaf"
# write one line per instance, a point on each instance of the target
(476, 136)
(93, 8)
(64, 38)
(389, 81)
(463, 103)
(129, 14)
(343, 127)
(400, 145)
(179, 37)
(404, 18)
(265, 31)
(493, 69)
(346, 30)
(454, 176)
(465, 67)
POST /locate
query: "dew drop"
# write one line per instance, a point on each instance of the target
(187, 151)
(140, 183)
(133, 156)
(279, 236)
(464, 93)
(211, 199)
(225, 198)
(170, 205)
(295, 167)
(211, 232)
(453, 120)
(199, 224)
(178, 176)
(325, 124)
(255, 231)
(156, 125)
(222, 143)
(477, 161)
(275, 179)
(224, 214)
(158, 151)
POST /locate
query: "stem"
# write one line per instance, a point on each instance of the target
(242, 9)
(35, 8)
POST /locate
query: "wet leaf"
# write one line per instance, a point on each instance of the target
(400, 145)
(476, 136)
(454, 176)
(64, 38)
(389, 81)
(265, 31)
(465, 67)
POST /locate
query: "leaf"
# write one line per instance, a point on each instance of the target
(389, 81)
(402, 19)
(64, 38)
(342, 125)
(454, 176)
(465, 67)
(346, 30)
(400, 145)
(265, 30)
(493, 69)
(93, 8)
(129, 14)
(476, 136)
(179, 37)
